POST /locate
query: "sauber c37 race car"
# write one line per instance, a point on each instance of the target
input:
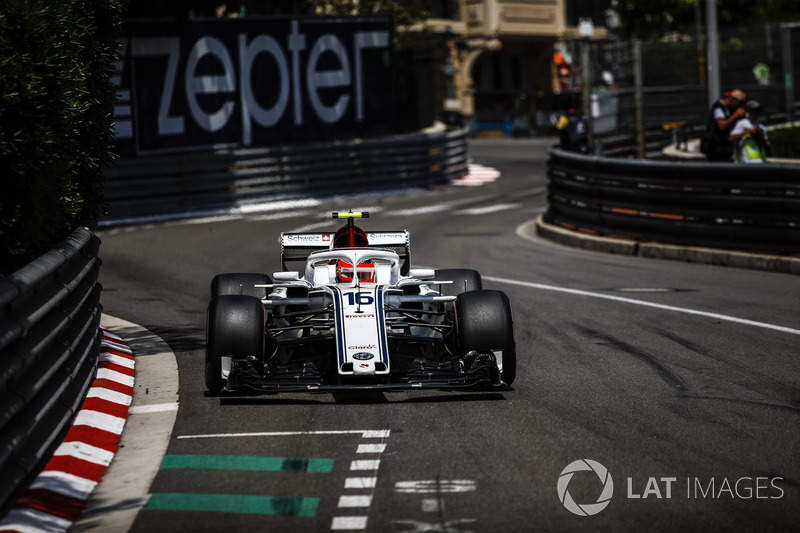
(357, 317)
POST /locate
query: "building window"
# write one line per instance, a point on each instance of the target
(593, 9)
(443, 9)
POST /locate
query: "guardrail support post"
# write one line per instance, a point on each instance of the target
(641, 151)
(586, 82)
(712, 65)
(788, 75)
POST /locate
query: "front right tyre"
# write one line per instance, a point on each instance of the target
(235, 329)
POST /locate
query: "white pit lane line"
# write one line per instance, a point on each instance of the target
(644, 303)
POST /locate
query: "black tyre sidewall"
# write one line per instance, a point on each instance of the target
(459, 276)
(484, 322)
(235, 327)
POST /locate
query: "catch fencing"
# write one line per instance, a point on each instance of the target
(49, 342)
(727, 206)
(184, 183)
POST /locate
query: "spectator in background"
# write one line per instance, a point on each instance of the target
(571, 128)
(721, 117)
(749, 136)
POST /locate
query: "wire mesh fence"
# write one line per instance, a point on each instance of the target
(761, 60)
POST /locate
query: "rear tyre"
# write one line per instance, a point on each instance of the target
(239, 283)
(484, 323)
(235, 327)
(464, 280)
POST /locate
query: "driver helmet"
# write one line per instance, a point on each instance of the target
(342, 236)
(344, 272)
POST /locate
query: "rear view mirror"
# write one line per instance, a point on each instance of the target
(286, 276)
(422, 273)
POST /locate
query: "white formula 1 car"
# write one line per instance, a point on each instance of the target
(357, 317)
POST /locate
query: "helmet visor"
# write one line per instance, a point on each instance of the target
(345, 272)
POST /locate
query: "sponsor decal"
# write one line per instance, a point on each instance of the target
(241, 82)
(387, 237)
(305, 238)
(360, 316)
(369, 347)
(363, 356)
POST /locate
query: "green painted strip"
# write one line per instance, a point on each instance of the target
(237, 462)
(229, 503)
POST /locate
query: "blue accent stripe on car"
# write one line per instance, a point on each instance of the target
(381, 318)
(339, 324)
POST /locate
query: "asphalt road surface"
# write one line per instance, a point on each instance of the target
(680, 383)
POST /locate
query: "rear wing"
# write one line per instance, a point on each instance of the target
(298, 246)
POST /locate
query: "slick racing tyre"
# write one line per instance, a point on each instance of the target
(242, 283)
(235, 328)
(484, 323)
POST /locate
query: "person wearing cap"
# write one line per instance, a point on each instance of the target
(749, 136)
(571, 128)
(721, 118)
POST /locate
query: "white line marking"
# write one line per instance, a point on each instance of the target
(488, 209)
(309, 227)
(645, 304)
(367, 484)
(366, 433)
(431, 505)
(376, 434)
(278, 216)
(355, 501)
(284, 205)
(155, 408)
(342, 523)
(372, 464)
(371, 448)
(419, 210)
(643, 289)
(360, 482)
(435, 485)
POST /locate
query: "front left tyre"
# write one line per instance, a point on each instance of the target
(234, 329)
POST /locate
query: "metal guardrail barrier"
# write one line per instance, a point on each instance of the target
(187, 182)
(49, 343)
(736, 207)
